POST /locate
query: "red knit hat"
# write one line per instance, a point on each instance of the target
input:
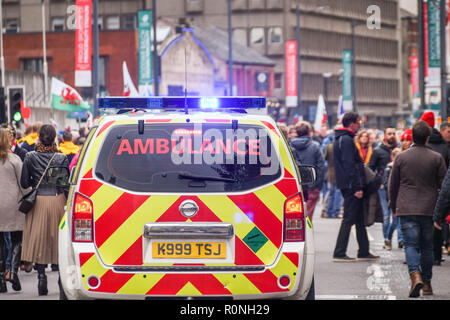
(407, 135)
(428, 117)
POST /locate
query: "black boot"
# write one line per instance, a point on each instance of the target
(42, 285)
(3, 287)
(16, 251)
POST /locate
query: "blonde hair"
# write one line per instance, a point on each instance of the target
(283, 128)
(395, 152)
(360, 134)
(4, 144)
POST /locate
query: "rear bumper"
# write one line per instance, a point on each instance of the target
(80, 263)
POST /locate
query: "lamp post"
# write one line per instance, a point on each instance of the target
(44, 49)
(355, 100)
(2, 61)
(326, 76)
(230, 49)
(155, 51)
(299, 93)
(443, 20)
(95, 62)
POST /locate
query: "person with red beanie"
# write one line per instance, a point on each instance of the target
(406, 139)
(428, 117)
(439, 145)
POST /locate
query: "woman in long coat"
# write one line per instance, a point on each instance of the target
(40, 240)
(11, 220)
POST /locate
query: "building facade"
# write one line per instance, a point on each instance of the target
(265, 26)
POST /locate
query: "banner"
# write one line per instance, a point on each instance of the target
(66, 98)
(83, 43)
(145, 45)
(347, 96)
(414, 74)
(291, 73)
(434, 44)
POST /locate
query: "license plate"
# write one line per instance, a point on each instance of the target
(189, 250)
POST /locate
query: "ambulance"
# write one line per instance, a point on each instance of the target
(187, 198)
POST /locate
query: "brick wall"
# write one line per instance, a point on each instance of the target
(117, 46)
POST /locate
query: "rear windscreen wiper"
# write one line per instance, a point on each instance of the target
(204, 178)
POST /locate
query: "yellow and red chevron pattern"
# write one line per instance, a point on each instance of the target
(188, 284)
(119, 218)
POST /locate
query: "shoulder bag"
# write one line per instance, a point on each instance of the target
(28, 200)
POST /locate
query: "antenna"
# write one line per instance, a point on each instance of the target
(185, 82)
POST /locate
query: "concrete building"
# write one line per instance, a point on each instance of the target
(265, 26)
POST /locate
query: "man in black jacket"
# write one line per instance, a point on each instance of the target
(350, 179)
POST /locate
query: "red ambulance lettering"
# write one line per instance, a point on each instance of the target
(253, 147)
(140, 149)
(124, 147)
(219, 145)
(235, 146)
(162, 146)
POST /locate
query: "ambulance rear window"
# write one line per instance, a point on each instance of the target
(199, 158)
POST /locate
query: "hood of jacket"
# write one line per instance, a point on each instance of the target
(301, 143)
(343, 132)
(436, 137)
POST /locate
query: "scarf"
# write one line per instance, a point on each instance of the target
(46, 149)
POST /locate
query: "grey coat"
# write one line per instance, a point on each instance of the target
(415, 180)
(11, 219)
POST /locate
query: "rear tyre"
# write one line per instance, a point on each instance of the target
(311, 294)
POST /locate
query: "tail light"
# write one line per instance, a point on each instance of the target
(82, 219)
(294, 219)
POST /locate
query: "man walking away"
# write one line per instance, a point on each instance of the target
(350, 179)
(414, 184)
(307, 152)
(378, 163)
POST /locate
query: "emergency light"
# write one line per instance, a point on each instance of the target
(182, 103)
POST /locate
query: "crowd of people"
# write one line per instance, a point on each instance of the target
(395, 177)
(30, 240)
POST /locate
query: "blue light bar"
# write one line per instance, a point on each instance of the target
(179, 103)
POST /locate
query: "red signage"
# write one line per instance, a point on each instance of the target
(414, 74)
(83, 43)
(291, 73)
(164, 146)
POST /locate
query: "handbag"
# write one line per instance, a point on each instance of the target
(28, 200)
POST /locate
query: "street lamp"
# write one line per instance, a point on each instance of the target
(355, 101)
(299, 96)
(326, 76)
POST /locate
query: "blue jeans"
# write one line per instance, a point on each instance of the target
(334, 200)
(7, 237)
(418, 237)
(388, 227)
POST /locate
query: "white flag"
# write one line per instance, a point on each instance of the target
(129, 90)
(340, 111)
(321, 114)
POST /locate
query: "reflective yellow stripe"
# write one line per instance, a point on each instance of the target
(129, 232)
(104, 198)
(285, 266)
(227, 211)
(92, 266)
(237, 285)
(189, 290)
(273, 199)
(140, 285)
(266, 252)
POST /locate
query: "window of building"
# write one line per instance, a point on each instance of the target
(257, 36)
(113, 23)
(12, 26)
(33, 64)
(58, 24)
(240, 35)
(275, 35)
(278, 79)
(129, 21)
